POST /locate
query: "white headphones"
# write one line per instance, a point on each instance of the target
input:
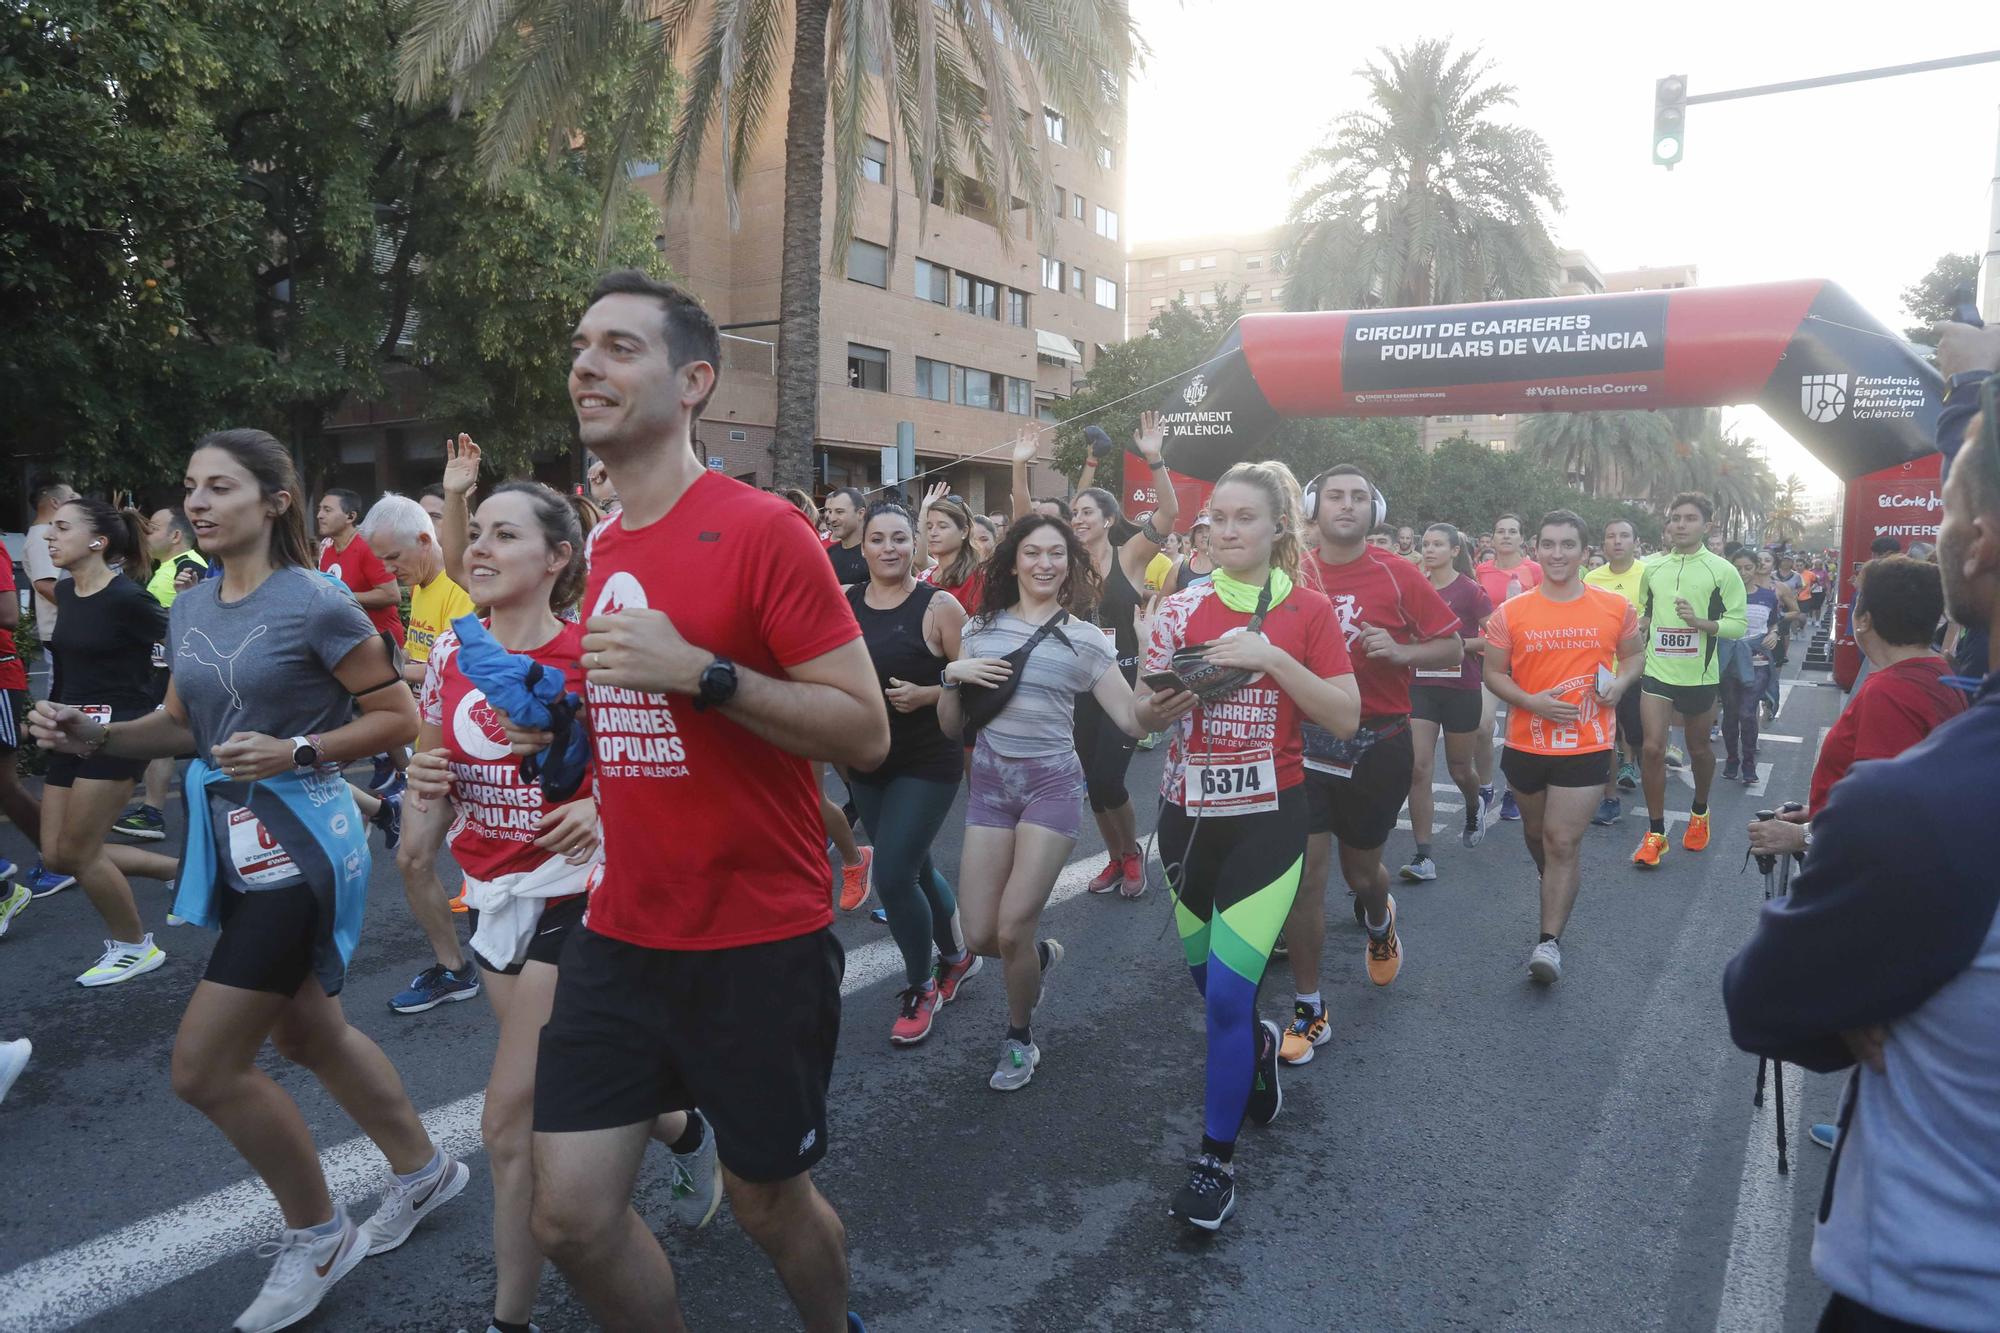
(1379, 507)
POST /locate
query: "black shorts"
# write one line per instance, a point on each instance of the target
(267, 939)
(14, 707)
(65, 769)
(551, 933)
(1457, 711)
(1631, 722)
(746, 1034)
(1361, 810)
(1688, 700)
(1531, 774)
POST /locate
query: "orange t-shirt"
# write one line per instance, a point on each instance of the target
(1559, 646)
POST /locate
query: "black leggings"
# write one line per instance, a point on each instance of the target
(1105, 752)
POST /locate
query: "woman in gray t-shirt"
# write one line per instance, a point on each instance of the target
(278, 678)
(1024, 805)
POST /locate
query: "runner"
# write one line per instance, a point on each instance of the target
(720, 655)
(104, 660)
(1691, 597)
(1021, 807)
(1197, 566)
(270, 664)
(20, 809)
(1623, 573)
(1232, 832)
(371, 582)
(955, 559)
(1742, 689)
(1508, 573)
(844, 508)
(527, 863)
(1446, 699)
(1406, 546)
(1549, 655)
(1393, 624)
(177, 565)
(911, 633)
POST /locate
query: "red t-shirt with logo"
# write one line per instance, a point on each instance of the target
(13, 671)
(1259, 715)
(1380, 588)
(1495, 579)
(712, 836)
(363, 571)
(498, 815)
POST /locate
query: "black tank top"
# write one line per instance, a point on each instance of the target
(918, 747)
(1118, 610)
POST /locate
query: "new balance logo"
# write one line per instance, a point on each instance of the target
(806, 1143)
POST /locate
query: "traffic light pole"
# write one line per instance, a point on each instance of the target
(1858, 76)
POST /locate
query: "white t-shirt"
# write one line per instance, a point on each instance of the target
(35, 559)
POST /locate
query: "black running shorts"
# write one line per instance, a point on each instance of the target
(551, 932)
(1455, 710)
(1688, 700)
(1361, 810)
(1531, 774)
(267, 939)
(746, 1034)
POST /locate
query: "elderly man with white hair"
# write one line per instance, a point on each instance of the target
(399, 531)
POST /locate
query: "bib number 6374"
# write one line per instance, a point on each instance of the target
(1239, 783)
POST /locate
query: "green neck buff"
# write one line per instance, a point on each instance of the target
(1240, 596)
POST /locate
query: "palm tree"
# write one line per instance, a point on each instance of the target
(951, 70)
(1785, 520)
(1424, 199)
(1623, 450)
(1730, 470)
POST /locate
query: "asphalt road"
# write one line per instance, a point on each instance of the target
(1469, 1151)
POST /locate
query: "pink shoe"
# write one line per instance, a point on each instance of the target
(919, 1009)
(1134, 867)
(950, 976)
(1107, 878)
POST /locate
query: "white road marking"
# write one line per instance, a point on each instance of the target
(1760, 1243)
(91, 1278)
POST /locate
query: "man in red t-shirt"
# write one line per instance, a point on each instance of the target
(1509, 573)
(1394, 623)
(720, 658)
(15, 802)
(355, 563)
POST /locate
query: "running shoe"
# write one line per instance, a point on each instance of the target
(42, 881)
(404, 1204)
(389, 818)
(18, 897)
(1508, 809)
(13, 1059)
(854, 1324)
(1748, 777)
(173, 920)
(1209, 1196)
(382, 774)
(436, 985)
(1047, 953)
(1545, 964)
(8, 870)
(1420, 868)
(142, 821)
(1279, 948)
(1108, 878)
(1675, 758)
(122, 962)
(1714, 732)
(1475, 827)
(919, 1006)
(1133, 866)
(950, 976)
(457, 901)
(1628, 777)
(1651, 848)
(1609, 811)
(1729, 770)
(307, 1267)
(1768, 711)
(857, 881)
(880, 916)
(1824, 1135)
(1016, 1067)
(1385, 952)
(395, 786)
(1149, 740)
(1309, 1029)
(1267, 1098)
(1694, 838)
(695, 1181)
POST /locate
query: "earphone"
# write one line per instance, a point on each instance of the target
(1378, 507)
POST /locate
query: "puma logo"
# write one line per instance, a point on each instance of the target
(206, 653)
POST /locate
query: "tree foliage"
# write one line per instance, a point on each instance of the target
(1599, 449)
(1929, 300)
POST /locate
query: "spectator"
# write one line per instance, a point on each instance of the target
(1886, 957)
(48, 496)
(1884, 545)
(603, 493)
(431, 498)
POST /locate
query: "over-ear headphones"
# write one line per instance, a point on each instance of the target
(1378, 507)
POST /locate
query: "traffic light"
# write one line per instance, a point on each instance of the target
(1670, 96)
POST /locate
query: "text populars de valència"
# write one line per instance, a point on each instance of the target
(1546, 335)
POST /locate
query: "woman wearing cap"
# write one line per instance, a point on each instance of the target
(1196, 566)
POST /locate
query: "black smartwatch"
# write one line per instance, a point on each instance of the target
(718, 684)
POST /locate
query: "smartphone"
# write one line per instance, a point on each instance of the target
(1163, 682)
(1605, 680)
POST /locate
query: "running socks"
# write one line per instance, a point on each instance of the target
(1312, 999)
(1423, 851)
(426, 1171)
(1546, 937)
(332, 1226)
(691, 1137)
(1699, 808)
(1217, 1149)
(1025, 1036)
(1375, 931)
(505, 1326)
(1658, 826)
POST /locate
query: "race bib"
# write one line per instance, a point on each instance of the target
(1676, 642)
(255, 853)
(98, 713)
(1438, 673)
(1240, 782)
(159, 656)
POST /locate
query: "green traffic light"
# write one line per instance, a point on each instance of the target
(1669, 119)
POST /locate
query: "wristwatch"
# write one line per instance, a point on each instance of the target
(305, 751)
(718, 684)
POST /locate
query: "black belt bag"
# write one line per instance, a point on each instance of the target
(980, 704)
(1322, 746)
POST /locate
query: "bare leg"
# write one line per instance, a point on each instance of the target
(1701, 752)
(1423, 736)
(159, 775)
(522, 1004)
(1119, 827)
(1482, 755)
(75, 822)
(21, 809)
(986, 858)
(1460, 749)
(803, 1237)
(1565, 815)
(1305, 924)
(1658, 715)
(313, 1033)
(1532, 808)
(138, 861)
(1368, 877)
(583, 1220)
(423, 836)
(835, 822)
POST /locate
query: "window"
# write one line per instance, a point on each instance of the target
(1105, 159)
(933, 282)
(1061, 201)
(1076, 207)
(1076, 282)
(868, 262)
(1253, 298)
(1158, 303)
(1208, 261)
(1052, 274)
(1107, 293)
(980, 388)
(1045, 411)
(1187, 266)
(867, 368)
(874, 158)
(1020, 396)
(1017, 308)
(1056, 127)
(1107, 223)
(1253, 261)
(1208, 298)
(975, 296)
(933, 380)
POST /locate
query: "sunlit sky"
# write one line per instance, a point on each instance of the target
(1866, 184)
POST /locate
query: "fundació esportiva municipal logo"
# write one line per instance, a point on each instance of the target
(1197, 389)
(1822, 397)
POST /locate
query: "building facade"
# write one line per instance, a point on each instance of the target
(1157, 272)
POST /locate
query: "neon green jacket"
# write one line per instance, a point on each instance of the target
(1712, 585)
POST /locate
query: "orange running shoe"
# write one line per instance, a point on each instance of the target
(1650, 851)
(1696, 836)
(457, 904)
(857, 881)
(1385, 955)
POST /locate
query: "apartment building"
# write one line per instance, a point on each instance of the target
(1157, 272)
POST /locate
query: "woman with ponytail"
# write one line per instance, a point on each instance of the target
(1447, 698)
(107, 631)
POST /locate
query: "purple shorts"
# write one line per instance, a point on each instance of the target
(1005, 793)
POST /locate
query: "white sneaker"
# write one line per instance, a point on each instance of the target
(122, 962)
(695, 1182)
(13, 1059)
(403, 1206)
(18, 897)
(1545, 964)
(307, 1266)
(1420, 869)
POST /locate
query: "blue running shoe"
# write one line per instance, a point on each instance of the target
(436, 985)
(396, 786)
(854, 1324)
(1509, 810)
(879, 916)
(381, 774)
(1609, 811)
(142, 821)
(42, 881)
(390, 820)
(8, 870)
(1824, 1135)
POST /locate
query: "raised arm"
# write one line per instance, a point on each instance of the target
(461, 474)
(1025, 445)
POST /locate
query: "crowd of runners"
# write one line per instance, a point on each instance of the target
(649, 910)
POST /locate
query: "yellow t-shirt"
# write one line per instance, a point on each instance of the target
(1626, 585)
(1157, 570)
(432, 609)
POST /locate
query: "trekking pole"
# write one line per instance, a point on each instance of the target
(1769, 865)
(1784, 887)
